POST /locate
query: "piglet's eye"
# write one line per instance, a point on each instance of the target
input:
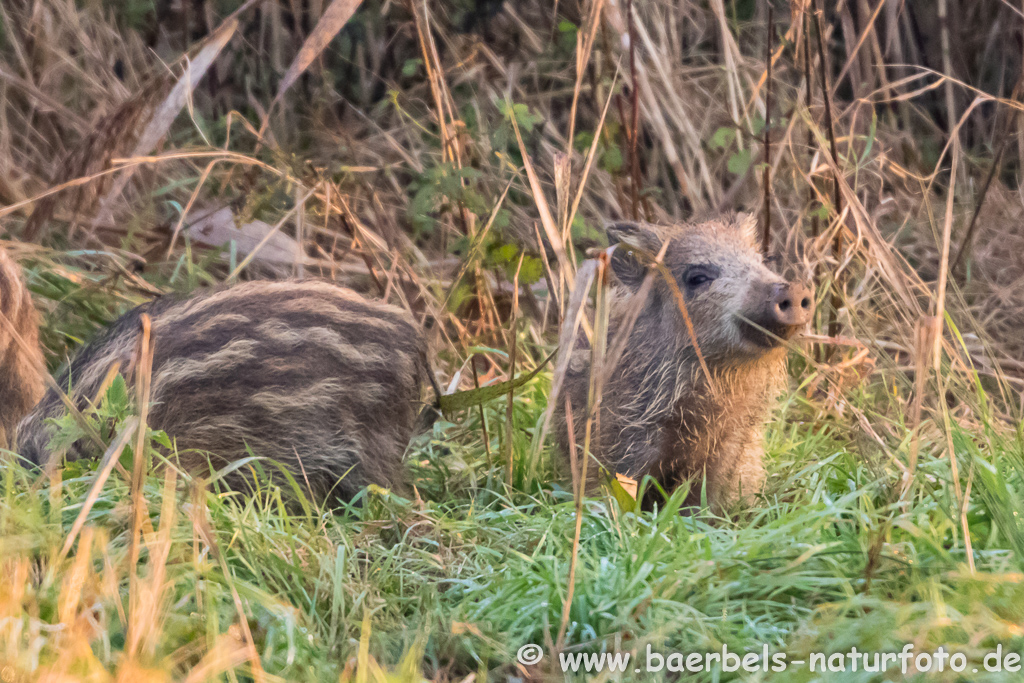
(699, 276)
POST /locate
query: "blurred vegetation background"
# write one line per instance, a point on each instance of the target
(390, 149)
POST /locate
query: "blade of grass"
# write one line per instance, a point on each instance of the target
(566, 271)
(597, 351)
(137, 623)
(513, 349)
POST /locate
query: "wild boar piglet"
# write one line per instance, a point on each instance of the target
(660, 414)
(307, 373)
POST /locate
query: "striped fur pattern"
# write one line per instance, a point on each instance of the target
(307, 373)
(21, 361)
(658, 414)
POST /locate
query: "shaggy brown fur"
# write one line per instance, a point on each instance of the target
(21, 361)
(308, 374)
(658, 414)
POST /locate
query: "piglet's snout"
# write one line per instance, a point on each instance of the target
(790, 306)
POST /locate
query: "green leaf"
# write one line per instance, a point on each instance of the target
(624, 499)
(460, 246)
(611, 160)
(521, 112)
(581, 230)
(505, 253)
(117, 396)
(583, 141)
(871, 138)
(460, 400)
(739, 162)
(531, 271)
(502, 220)
(411, 66)
(757, 125)
(160, 437)
(722, 138)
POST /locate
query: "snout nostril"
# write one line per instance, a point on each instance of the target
(805, 302)
(784, 305)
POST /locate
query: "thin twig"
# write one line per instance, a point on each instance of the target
(634, 124)
(812, 191)
(977, 208)
(767, 235)
(837, 201)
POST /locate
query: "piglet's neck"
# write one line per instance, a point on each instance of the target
(661, 352)
(739, 390)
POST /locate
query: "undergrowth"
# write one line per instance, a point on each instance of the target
(454, 582)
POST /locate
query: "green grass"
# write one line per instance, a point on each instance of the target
(453, 584)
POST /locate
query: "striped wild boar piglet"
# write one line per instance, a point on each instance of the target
(661, 414)
(308, 374)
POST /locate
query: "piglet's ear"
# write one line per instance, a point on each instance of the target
(747, 225)
(620, 230)
(631, 232)
(634, 243)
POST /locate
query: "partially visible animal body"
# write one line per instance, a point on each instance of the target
(308, 374)
(660, 413)
(21, 360)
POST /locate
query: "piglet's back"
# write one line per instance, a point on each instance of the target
(308, 374)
